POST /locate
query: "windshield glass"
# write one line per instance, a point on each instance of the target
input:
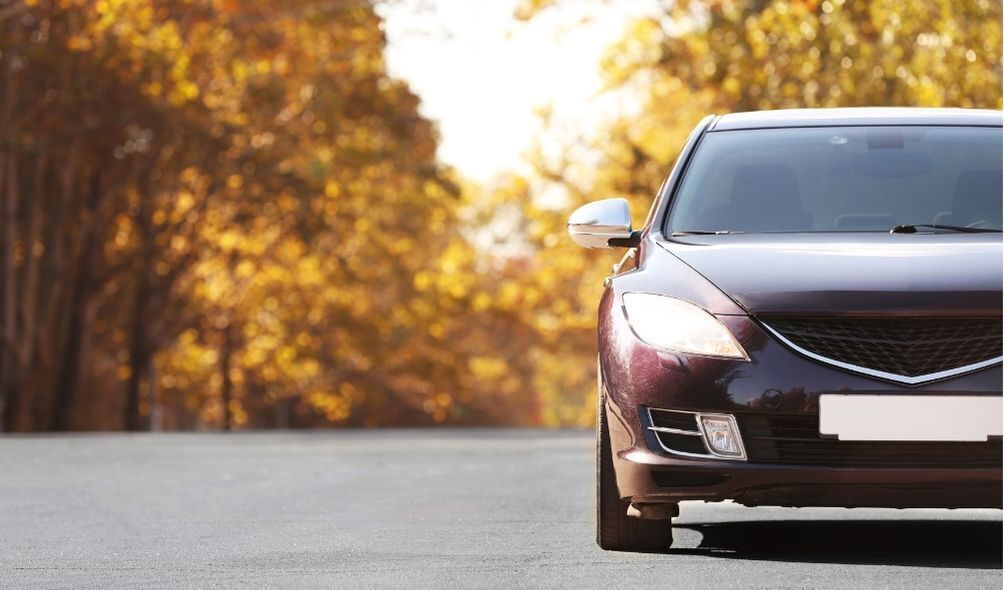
(828, 179)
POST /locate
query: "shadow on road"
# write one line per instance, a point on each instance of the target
(931, 543)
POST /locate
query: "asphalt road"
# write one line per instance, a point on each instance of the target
(437, 509)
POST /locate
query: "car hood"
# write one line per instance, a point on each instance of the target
(825, 274)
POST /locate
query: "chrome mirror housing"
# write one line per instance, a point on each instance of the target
(602, 224)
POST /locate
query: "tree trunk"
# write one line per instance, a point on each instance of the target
(137, 357)
(29, 322)
(80, 313)
(282, 413)
(138, 347)
(8, 392)
(156, 421)
(69, 373)
(225, 354)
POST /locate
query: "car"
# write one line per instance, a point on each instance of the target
(810, 316)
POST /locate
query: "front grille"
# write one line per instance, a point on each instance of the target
(794, 439)
(908, 347)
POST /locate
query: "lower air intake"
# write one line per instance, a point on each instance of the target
(794, 439)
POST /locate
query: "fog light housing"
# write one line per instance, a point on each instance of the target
(722, 436)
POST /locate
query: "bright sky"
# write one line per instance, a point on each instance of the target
(481, 74)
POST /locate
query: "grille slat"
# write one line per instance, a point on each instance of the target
(909, 347)
(789, 439)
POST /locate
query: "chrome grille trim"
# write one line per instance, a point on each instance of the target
(673, 431)
(904, 379)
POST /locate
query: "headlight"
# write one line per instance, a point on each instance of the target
(678, 326)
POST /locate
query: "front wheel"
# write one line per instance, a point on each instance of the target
(615, 530)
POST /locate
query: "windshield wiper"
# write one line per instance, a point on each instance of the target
(912, 229)
(705, 232)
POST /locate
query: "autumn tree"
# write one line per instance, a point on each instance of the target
(218, 214)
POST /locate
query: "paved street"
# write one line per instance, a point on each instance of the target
(414, 508)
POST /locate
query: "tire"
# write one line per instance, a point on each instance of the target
(615, 530)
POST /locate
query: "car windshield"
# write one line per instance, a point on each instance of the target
(827, 179)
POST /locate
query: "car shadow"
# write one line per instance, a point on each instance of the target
(925, 543)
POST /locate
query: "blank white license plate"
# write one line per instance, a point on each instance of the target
(910, 417)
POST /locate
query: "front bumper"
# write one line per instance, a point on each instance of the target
(645, 476)
(775, 382)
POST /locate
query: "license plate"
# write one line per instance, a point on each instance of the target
(910, 417)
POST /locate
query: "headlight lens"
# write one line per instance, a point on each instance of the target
(679, 326)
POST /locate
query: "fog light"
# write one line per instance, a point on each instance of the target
(722, 436)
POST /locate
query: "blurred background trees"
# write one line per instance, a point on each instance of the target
(227, 214)
(222, 214)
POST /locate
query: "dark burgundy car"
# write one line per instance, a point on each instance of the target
(810, 316)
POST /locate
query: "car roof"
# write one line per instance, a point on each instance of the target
(839, 117)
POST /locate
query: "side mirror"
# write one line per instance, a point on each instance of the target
(603, 224)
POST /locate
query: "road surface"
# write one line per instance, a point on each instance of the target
(421, 508)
